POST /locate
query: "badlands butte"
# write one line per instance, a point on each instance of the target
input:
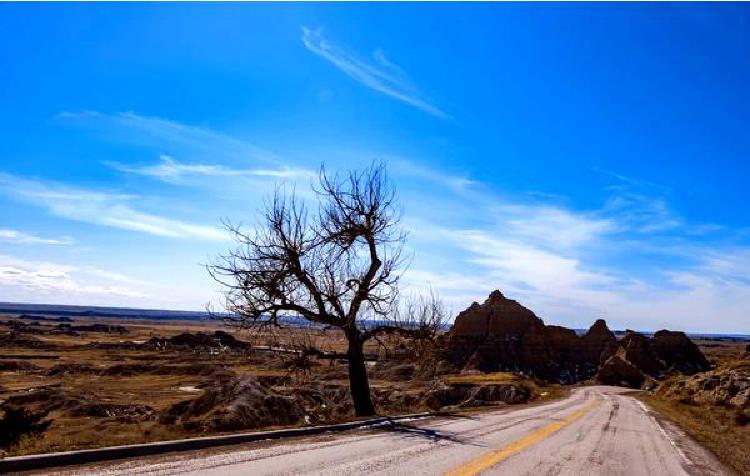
(503, 335)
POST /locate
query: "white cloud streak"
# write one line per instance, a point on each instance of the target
(38, 277)
(552, 226)
(170, 170)
(103, 208)
(23, 238)
(412, 170)
(166, 134)
(385, 78)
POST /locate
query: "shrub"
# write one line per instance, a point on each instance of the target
(19, 422)
(742, 417)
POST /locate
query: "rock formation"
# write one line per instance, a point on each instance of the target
(618, 371)
(199, 340)
(235, 404)
(666, 352)
(677, 352)
(598, 343)
(725, 387)
(501, 334)
(442, 395)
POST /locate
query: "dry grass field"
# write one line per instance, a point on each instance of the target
(113, 404)
(134, 383)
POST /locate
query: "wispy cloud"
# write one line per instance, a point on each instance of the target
(633, 260)
(40, 277)
(169, 169)
(572, 287)
(642, 204)
(413, 170)
(168, 135)
(98, 207)
(230, 161)
(384, 77)
(551, 226)
(641, 212)
(20, 237)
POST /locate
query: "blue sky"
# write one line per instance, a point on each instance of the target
(589, 160)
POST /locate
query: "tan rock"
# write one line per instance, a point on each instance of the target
(678, 353)
(503, 335)
(727, 387)
(619, 371)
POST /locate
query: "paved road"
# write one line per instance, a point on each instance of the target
(596, 430)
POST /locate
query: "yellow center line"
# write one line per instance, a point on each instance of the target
(490, 459)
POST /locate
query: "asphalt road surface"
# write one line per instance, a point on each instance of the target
(596, 430)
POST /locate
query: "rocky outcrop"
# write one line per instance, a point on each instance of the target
(598, 343)
(677, 352)
(442, 395)
(199, 340)
(726, 387)
(498, 316)
(104, 328)
(235, 404)
(666, 352)
(503, 335)
(636, 349)
(618, 371)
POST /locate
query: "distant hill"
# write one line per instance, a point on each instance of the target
(62, 310)
(172, 315)
(102, 311)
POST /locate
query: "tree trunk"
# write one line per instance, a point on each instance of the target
(358, 382)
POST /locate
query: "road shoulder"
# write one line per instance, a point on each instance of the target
(700, 459)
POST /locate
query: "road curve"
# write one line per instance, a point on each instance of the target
(596, 430)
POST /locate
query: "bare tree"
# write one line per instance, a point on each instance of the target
(337, 267)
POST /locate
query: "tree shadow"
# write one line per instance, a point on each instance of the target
(414, 431)
(447, 414)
